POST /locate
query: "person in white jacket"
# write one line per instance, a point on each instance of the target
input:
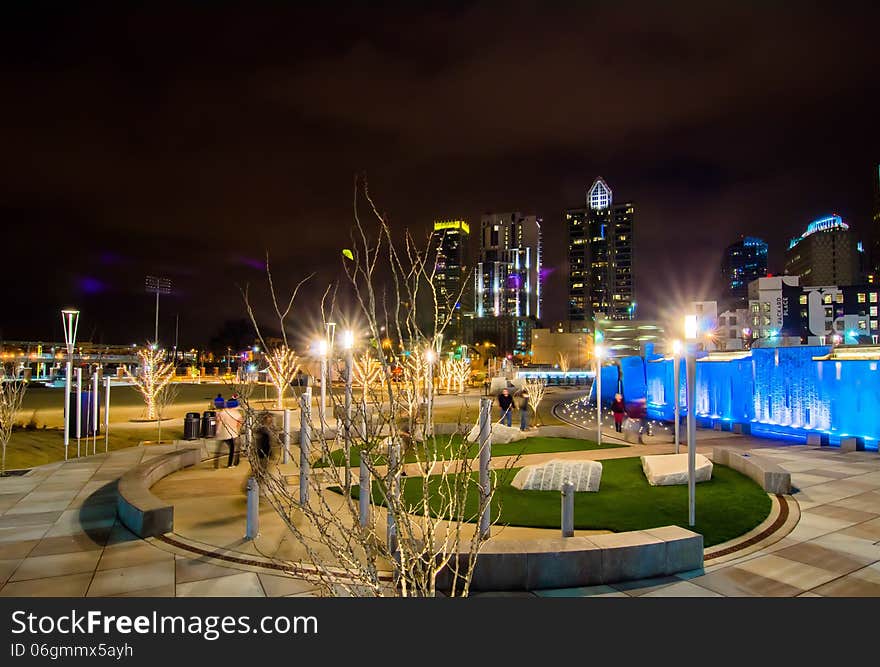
(229, 420)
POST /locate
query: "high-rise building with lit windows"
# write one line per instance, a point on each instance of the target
(743, 262)
(600, 258)
(874, 272)
(507, 280)
(450, 241)
(827, 253)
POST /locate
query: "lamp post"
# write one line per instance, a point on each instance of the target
(598, 352)
(322, 352)
(676, 387)
(348, 346)
(69, 322)
(690, 333)
(159, 286)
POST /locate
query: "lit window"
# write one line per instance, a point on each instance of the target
(839, 297)
(826, 298)
(863, 324)
(873, 311)
(861, 298)
(873, 297)
(803, 300)
(874, 325)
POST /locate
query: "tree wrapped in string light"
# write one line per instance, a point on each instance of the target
(152, 377)
(282, 366)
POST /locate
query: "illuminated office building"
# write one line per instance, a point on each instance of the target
(600, 258)
(874, 274)
(507, 280)
(827, 253)
(450, 238)
(743, 262)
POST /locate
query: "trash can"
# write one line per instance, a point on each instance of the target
(191, 426)
(209, 424)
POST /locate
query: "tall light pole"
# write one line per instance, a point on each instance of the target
(598, 352)
(69, 322)
(430, 356)
(676, 387)
(322, 352)
(690, 333)
(159, 286)
(348, 346)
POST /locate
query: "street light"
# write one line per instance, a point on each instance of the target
(690, 332)
(159, 286)
(69, 322)
(676, 384)
(598, 351)
(322, 348)
(348, 346)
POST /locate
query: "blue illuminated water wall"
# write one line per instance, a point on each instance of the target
(780, 391)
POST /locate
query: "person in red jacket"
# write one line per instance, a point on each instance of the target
(618, 409)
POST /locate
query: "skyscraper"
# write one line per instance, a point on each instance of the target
(827, 253)
(508, 276)
(874, 274)
(743, 262)
(600, 258)
(450, 238)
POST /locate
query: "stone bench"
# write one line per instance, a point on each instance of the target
(139, 510)
(512, 565)
(771, 477)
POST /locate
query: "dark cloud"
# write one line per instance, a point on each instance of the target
(187, 140)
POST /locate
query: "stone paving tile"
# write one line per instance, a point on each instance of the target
(195, 569)
(65, 544)
(834, 511)
(7, 567)
(279, 586)
(128, 554)
(868, 530)
(27, 506)
(834, 561)
(868, 501)
(28, 519)
(16, 550)
(137, 577)
(737, 582)
(68, 586)
(8, 500)
(41, 567)
(243, 584)
(166, 591)
(642, 586)
(805, 481)
(789, 572)
(23, 534)
(581, 592)
(683, 589)
(854, 546)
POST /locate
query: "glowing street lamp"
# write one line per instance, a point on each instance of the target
(676, 387)
(598, 352)
(348, 346)
(690, 330)
(322, 347)
(69, 322)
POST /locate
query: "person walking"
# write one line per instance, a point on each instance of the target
(524, 410)
(229, 421)
(618, 409)
(264, 440)
(505, 402)
(219, 402)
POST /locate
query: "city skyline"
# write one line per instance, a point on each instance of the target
(191, 160)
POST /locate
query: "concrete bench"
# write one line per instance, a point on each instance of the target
(139, 510)
(771, 477)
(509, 565)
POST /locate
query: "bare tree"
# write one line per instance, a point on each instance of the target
(152, 376)
(165, 397)
(283, 366)
(536, 388)
(418, 527)
(12, 391)
(564, 361)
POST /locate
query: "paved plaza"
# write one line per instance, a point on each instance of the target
(59, 535)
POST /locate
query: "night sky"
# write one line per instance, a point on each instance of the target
(184, 139)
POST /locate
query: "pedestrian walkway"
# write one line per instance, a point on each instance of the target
(59, 535)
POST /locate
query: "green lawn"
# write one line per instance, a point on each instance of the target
(454, 447)
(727, 506)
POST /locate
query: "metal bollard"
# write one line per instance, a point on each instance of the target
(285, 437)
(364, 490)
(567, 509)
(485, 441)
(305, 443)
(253, 509)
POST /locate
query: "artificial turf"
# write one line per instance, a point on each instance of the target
(727, 506)
(453, 447)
